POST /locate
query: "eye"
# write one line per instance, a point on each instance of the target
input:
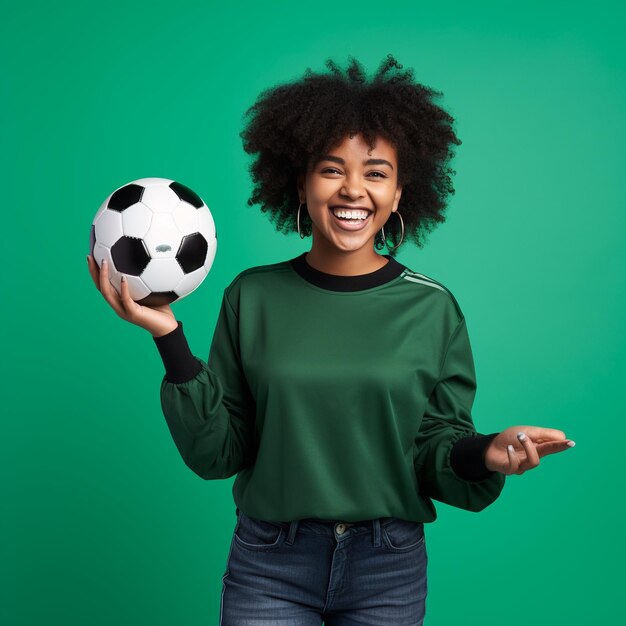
(380, 174)
(330, 170)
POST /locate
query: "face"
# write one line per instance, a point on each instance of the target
(351, 176)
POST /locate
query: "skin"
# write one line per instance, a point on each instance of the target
(520, 448)
(158, 320)
(352, 182)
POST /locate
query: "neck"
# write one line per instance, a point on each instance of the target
(345, 263)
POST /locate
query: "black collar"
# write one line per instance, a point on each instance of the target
(335, 282)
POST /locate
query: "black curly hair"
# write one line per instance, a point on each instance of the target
(292, 124)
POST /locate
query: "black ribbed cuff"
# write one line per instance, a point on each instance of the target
(467, 457)
(180, 364)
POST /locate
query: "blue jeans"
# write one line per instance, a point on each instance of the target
(347, 574)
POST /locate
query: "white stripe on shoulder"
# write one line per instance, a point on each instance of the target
(412, 273)
(425, 281)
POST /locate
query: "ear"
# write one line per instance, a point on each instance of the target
(396, 198)
(301, 188)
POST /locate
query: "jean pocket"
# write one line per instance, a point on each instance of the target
(401, 535)
(258, 535)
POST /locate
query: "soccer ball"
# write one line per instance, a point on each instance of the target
(159, 234)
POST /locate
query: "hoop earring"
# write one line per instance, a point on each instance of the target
(402, 236)
(298, 221)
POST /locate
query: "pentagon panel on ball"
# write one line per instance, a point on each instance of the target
(159, 234)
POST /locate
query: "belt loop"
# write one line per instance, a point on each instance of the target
(291, 532)
(376, 533)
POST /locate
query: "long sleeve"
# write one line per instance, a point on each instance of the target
(449, 453)
(208, 406)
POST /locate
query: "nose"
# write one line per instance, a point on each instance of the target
(352, 188)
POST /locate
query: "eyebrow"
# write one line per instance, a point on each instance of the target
(328, 157)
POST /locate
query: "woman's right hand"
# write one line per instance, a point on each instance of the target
(158, 320)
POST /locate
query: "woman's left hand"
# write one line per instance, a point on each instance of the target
(519, 448)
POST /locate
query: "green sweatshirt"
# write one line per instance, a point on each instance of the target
(332, 397)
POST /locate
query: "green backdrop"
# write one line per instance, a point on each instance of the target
(102, 522)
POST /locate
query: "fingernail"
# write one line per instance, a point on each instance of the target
(123, 278)
(521, 436)
(104, 261)
(511, 448)
(571, 444)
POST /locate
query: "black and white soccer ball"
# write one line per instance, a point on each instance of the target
(159, 234)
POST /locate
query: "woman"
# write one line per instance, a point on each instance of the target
(339, 384)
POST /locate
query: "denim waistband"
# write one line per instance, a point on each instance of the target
(332, 526)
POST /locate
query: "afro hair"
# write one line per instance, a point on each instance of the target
(292, 124)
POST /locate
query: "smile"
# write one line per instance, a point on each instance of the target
(350, 219)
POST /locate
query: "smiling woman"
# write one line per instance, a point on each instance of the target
(349, 202)
(390, 127)
(339, 383)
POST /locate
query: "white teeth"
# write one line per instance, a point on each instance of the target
(355, 214)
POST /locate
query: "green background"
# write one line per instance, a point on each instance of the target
(102, 523)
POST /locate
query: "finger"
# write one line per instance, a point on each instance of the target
(532, 456)
(107, 290)
(513, 459)
(105, 284)
(540, 435)
(104, 275)
(93, 271)
(125, 298)
(551, 447)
